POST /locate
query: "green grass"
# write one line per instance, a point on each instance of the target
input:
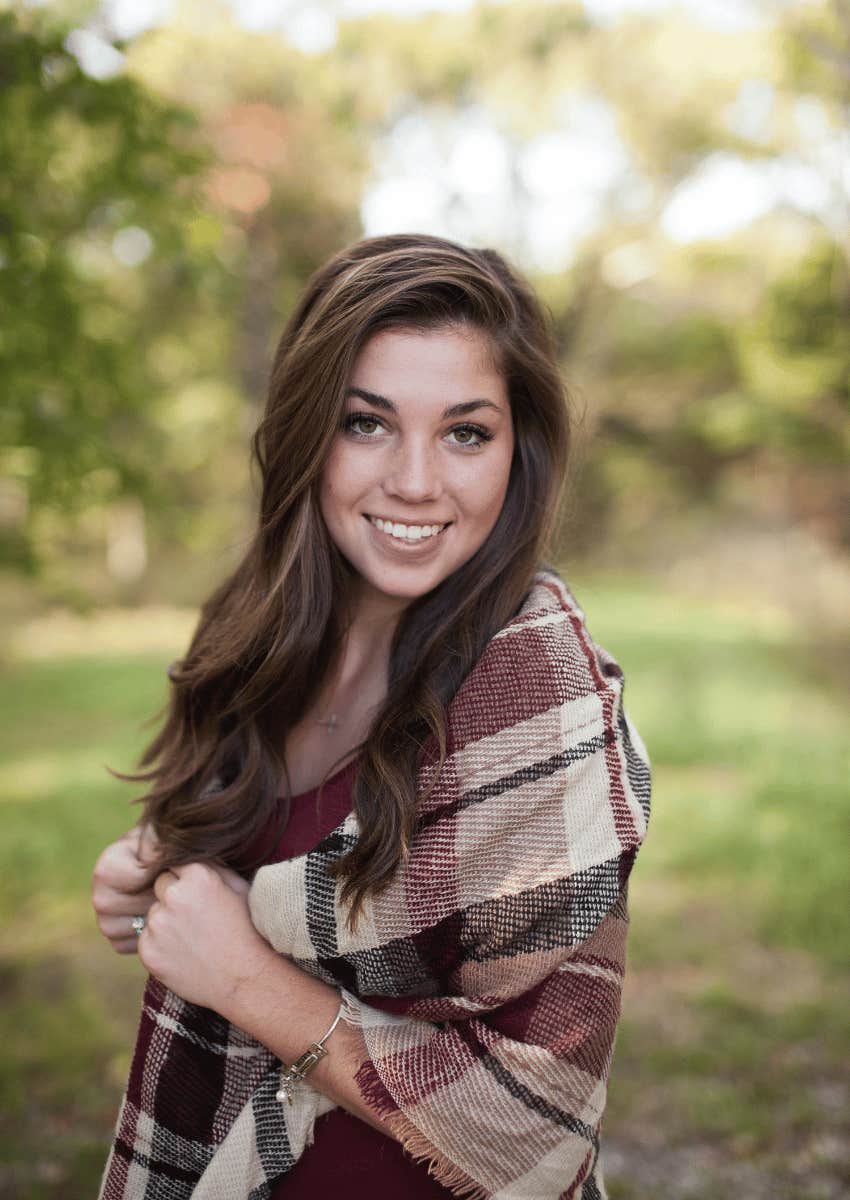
(729, 1075)
(750, 753)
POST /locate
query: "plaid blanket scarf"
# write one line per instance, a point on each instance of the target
(485, 981)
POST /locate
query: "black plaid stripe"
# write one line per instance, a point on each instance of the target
(372, 973)
(194, 1015)
(525, 774)
(532, 1100)
(558, 914)
(638, 771)
(590, 1190)
(272, 1139)
(171, 1171)
(320, 888)
(176, 1164)
(192, 1019)
(399, 967)
(620, 910)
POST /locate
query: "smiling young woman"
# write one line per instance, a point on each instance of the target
(396, 798)
(417, 477)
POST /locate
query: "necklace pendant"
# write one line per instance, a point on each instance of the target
(330, 723)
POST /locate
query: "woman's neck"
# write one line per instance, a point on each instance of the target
(368, 638)
(364, 652)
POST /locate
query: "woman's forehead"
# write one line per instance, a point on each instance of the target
(431, 354)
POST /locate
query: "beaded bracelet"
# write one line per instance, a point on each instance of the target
(304, 1065)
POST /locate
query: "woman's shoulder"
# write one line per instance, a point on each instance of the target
(549, 636)
(541, 716)
(543, 658)
(549, 600)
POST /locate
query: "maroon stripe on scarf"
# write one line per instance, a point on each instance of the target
(624, 822)
(526, 661)
(190, 1114)
(373, 1090)
(419, 1072)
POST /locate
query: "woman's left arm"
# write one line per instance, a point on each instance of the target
(199, 940)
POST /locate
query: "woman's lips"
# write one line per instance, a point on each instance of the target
(403, 546)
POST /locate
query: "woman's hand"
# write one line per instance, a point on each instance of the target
(199, 939)
(121, 868)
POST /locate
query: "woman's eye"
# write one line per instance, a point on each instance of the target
(471, 435)
(362, 419)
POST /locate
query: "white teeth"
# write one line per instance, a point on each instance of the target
(406, 533)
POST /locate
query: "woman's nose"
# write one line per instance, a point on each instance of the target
(413, 473)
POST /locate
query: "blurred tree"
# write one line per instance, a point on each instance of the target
(153, 252)
(815, 68)
(290, 162)
(97, 198)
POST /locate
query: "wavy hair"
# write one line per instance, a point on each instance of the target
(266, 637)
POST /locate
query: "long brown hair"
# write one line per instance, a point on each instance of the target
(267, 635)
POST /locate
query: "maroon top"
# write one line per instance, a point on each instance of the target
(348, 1157)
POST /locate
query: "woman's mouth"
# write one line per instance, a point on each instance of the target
(406, 535)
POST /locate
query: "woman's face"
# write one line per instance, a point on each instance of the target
(418, 472)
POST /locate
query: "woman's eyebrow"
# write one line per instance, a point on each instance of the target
(454, 410)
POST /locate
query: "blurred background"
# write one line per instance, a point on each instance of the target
(676, 181)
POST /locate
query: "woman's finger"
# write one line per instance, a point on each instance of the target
(109, 903)
(233, 880)
(147, 845)
(118, 868)
(162, 883)
(128, 945)
(118, 928)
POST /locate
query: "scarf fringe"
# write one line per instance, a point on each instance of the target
(352, 1008)
(374, 1091)
(446, 1173)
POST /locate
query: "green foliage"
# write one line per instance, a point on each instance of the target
(94, 171)
(806, 322)
(143, 291)
(696, 389)
(794, 359)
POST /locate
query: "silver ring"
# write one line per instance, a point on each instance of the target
(137, 925)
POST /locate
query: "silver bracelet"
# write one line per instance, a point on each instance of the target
(302, 1066)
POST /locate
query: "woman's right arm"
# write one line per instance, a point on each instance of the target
(117, 873)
